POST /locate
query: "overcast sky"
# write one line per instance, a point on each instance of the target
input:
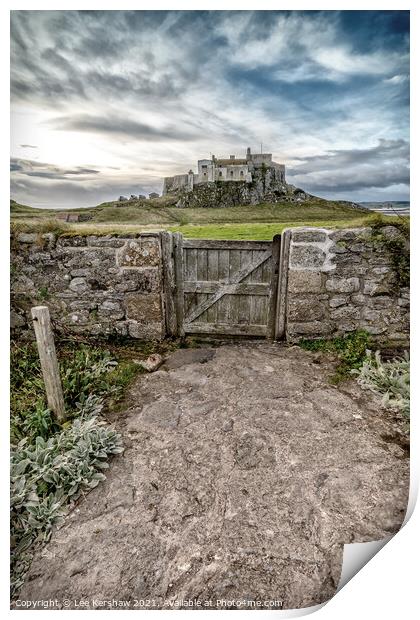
(108, 103)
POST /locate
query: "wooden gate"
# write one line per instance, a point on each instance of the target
(221, 287)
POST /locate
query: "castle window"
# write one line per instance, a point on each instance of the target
(242, 173)
(220, 174)
(231, 173)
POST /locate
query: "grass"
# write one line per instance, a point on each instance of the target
(259, 231)
(258, 222)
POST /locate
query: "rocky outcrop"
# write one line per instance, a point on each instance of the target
(265, 187)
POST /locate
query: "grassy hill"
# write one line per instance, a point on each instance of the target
(257, 222)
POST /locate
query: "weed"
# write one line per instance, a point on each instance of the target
(396, 246)
(43, 293)
(351, 351)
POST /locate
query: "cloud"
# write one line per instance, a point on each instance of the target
(30, 168)
(119, 126)
(381, 166)
(150, 92)
(397, 79)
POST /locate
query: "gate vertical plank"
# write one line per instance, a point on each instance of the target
(169, 285)
(213, 276)
(202, 271)
(234, 300)
(179, 282)
(275, 276)
(223, 302)
(253, 278)
(245, 300)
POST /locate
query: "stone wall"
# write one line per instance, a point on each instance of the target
(93, 285)
(337, 282)
(343, 280)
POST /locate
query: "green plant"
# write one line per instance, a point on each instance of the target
(397, 246)
(48, 473)
(81, 370)
(391, 379)
(52, 464)
(43, 293)
(351, 351)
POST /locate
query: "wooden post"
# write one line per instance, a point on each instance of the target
(49, 365)
(272, 301)
(179, 282)
(281, 319)
(168, 282)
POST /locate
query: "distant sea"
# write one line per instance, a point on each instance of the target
(392, 207)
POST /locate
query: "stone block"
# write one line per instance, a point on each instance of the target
(345, 312)
(149, 331)
(76, 241)
(309, 236)
(335, 302)
(105, 242)
(79, 285)
(16, 320)
(143, 308)
(380, 303)
(358, 299)
(346, 326)
(350, 234)
(338, 249)
(309, 328)
(305, 281)
(370, 315)
(343, 285)
(302, 310)
(372, 288)
(144, 252)
(27, 237)
(80, 273)
(357, 248)
(391, 232)
(375, 330)
(146, 280)
(307, 256)
(110, 310)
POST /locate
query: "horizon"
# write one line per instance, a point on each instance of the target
(109, 102)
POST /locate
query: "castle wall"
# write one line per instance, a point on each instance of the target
(171, 184)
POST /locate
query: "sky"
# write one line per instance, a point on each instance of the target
(108, 103)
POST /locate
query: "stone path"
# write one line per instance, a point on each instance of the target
(244, 473)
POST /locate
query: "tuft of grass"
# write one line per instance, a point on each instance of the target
(350, 349)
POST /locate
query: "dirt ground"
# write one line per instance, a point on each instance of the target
(245, 471)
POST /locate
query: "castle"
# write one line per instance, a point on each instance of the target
(232, 169)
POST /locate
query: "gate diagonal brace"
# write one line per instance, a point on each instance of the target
(227, 288)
